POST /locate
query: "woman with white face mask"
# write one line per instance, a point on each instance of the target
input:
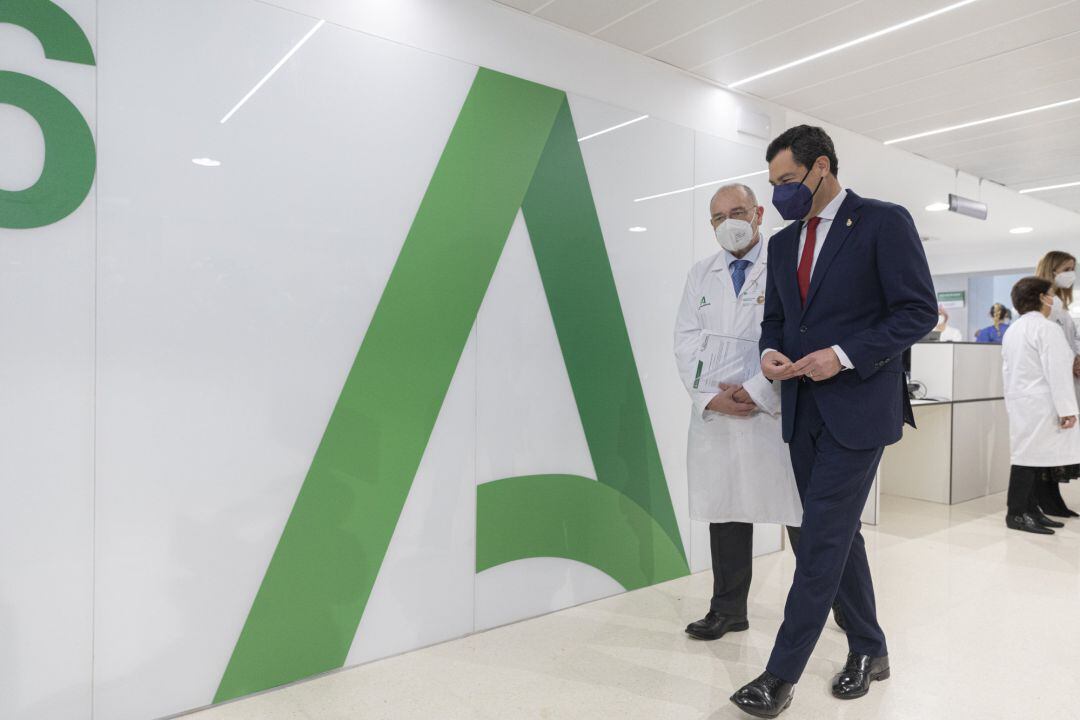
(1060, 269)
(1040, 402)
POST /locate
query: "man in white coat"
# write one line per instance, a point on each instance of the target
(738, 467)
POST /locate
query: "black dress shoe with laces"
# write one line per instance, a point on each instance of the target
(765, 697)
(1045, 521)
(714, 626)
(859, 671)
(1026, 523)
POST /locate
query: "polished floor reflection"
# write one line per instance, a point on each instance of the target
(983, 622)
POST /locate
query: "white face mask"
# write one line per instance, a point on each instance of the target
(941, 320)
(1065, 279)
(734, 235)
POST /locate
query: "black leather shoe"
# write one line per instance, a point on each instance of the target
(1045, 521)
(765, 697)
(714, 626)
(838, 617)
(1026, 523)
(859, 671)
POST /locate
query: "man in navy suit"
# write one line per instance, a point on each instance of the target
(848, 292)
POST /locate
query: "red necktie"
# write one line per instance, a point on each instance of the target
(806, 262)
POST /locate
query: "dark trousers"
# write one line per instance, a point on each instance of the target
(830, 562)
(1048, 496)
(732, 545)
(1024, 482)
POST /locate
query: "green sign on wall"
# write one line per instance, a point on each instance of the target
(513, 147)
(68, 170)
(951, 299)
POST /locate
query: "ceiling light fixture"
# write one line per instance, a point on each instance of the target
(1023, 230)
(700, 185)
(937, 207)
(613, 127)
(1050, 187)
(984, 121)
(853, 43)
(273, 70)
(638, 228)
(206, 162)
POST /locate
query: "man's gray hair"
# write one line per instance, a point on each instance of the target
(738, 186)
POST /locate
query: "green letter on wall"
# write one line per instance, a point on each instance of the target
(513, 147)
(70, 158)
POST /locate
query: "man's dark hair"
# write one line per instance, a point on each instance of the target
(807, 144)
(1027, 293)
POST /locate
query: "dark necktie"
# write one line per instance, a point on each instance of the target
(806, 262)
(738, 274)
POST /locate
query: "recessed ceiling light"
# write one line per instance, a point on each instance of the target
(1050, 187)
(852, 43)
(206, 162)
(273, 70)
(613, 127)
(701, 185)
(937, 207)
(638, 228)
(983, 121)
(1023, 230)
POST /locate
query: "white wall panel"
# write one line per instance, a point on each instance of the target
(232, 303)
(46, 412)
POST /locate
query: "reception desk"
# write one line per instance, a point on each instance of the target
(960, 449)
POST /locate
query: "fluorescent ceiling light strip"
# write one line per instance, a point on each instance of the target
(273, 70)
(1050, 187)
(984, 121)
(853, 43)
(613, 127)
(700, 185)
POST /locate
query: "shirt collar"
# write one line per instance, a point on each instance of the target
(829, 211)
(752, 256)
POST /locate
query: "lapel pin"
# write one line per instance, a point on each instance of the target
(850, 222)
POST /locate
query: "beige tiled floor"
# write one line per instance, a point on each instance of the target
(982, 622)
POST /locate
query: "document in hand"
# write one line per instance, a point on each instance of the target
(724, 359)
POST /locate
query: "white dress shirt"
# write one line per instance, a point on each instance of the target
(752, 256)
(827, 215)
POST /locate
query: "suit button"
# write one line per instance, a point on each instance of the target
(802, 329)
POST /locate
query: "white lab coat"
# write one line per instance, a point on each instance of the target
(1037, 368)
(950, 334)
(1068, 326)
(738, 468)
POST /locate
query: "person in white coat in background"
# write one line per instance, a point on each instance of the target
(1060, 268)
(738, 467)
(1040, 403)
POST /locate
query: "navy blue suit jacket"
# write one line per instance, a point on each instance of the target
(872, 295)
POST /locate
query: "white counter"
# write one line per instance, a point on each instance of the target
(960, 449)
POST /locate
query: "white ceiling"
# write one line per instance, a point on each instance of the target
(989, 58)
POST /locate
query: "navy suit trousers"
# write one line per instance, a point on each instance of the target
(830, 562)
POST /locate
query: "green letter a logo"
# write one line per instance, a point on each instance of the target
(513, 146)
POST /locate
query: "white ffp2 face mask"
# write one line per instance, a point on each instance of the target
(1065, 279)
(734, 235)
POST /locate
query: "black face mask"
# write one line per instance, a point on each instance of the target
(793, 200)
